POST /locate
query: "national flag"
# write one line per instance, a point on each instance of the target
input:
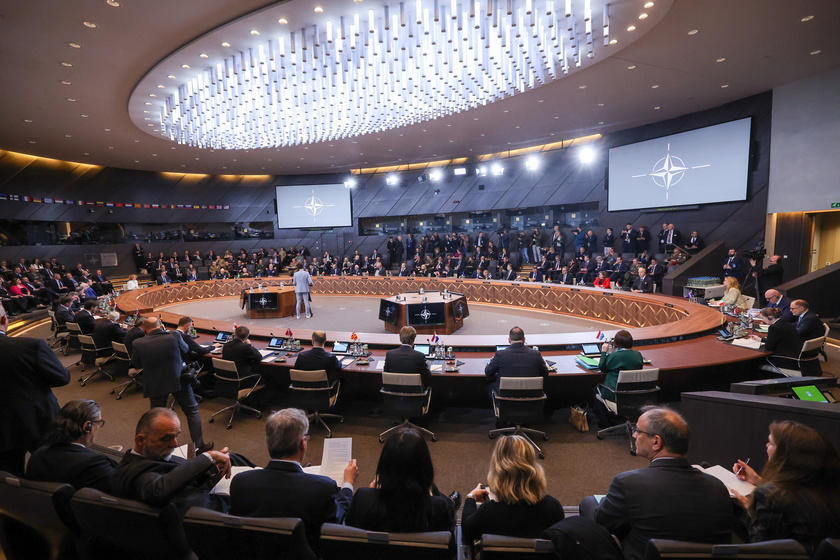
(289, 332)
(354, 337)
(600, 336)
(434, 338)
(234, 326)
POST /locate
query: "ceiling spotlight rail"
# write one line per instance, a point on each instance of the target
(380, 69)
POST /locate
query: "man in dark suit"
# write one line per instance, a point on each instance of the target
(405, 359)
(101, 284)
(57, 285)
(644, 283)
(240, 351)
(84, 318)
(695, 243)
(733, 265)
(657, 272)
(510, 274)
(194, 350)
(808, 324)
(517, 360)
(564, 277)
(318, 358)
(769, 277)
(108, 330)
(777, 300)
(164, 278)
(158, 354)
(150, 474)
(667, 500)
(30, 370)
(282, 489)
(134, 333)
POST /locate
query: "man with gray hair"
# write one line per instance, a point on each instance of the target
(283, 489)
(108, 330)
(667, 500)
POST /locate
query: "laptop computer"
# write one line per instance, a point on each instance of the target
(223, 337)
(340, 347)
(423, 348)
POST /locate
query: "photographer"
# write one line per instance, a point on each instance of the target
(767, 278)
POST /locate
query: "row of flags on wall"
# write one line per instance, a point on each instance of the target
(143, 205)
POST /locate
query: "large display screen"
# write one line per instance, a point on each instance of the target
(426, 314)
(388, 311)
(262, 300)
(314, 206)
(698, 167)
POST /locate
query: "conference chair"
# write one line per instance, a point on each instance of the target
(35, 520)
(519, 400)
(73, 330)
(635, 389)
(404, 397)
(59, 339)
(829, 549)
(783, 549)
(499, 547)
(128, 529)
(313, 392)
(216, 536)
(340, 542)
(749, 301)
(807, 361)
(92, 356)
(121, 353)
(230, 385)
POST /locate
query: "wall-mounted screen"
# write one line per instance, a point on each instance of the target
(702, 166)
(314, 206)
(426, 314)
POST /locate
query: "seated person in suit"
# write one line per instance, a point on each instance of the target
(106, 331)
(782, 339)
(517, 360)
(318, 358)
(84, 318)
(405, 359)
(150, 474)
(63, 314)
(403, 496)
(644, 283)
(669, 499)
(776, 299)
(101, 284)
(808, 324)
(798, 494)
(240, 351)
(282, 489)
(67, 457)
(519, 506)
(612, 362)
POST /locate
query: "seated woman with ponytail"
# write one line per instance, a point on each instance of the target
(67, 457)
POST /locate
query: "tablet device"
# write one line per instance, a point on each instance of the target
(500, 347)
(808, 393)
(340, 347)
(423, 348)
(276, 343)
(590, 349)
(223, 336)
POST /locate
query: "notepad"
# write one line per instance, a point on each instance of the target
(746, 342)
(729, 479)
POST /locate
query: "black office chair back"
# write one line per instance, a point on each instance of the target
(127, 529)
(499, 547)
(403, 395)
(829, 549)
(784, 549)
(216, 536)
(635, 389)
(339, 542)
(520, 399)
(36, 522)
(229, 382)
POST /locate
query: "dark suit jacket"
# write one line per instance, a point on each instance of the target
(158, 354)
(282, 489)
(157, 483)
(30, 369)
(809, 326)
(783, 305)
(133, 334)
(85, 321)
(318, 358)
(644, 284)
(63, 315)
(195, 350)
(72, 464)
(526, 521)
(736, 266)
(367, 512)
(105, 332)
(667, 500)
(783, 340)
(517, 360)
(53, 285)
(243, 355)
(406, 359)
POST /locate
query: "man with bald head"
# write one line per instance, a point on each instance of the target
(667, 500)
(318, 358)
(779, 301)
(159, 354)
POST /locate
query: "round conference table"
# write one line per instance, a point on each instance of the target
(677, 336)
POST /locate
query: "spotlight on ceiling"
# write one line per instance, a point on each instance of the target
(350, 183)
(460, 171)
(497, 169)
(392, 179)
(481, 171)
(532, 163)
(436, 175)
(586, 155)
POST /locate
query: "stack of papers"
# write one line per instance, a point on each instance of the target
(587, 362)
(747, 342)
(729, 480)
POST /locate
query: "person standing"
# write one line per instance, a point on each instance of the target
(302, 281)
(767, 278)
(27, 405)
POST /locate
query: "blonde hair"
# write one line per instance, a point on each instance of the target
(514, 476)
(732, 282)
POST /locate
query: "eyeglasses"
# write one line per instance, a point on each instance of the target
(635, 429)
(100, 423)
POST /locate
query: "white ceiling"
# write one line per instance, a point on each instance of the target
(765, 44)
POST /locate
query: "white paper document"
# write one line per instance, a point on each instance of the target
(337, 453)
(747, 342)
(729, 480)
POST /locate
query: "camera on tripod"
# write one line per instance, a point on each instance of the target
(756, 254)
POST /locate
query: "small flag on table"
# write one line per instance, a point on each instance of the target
(354, 337)
(601, 336)
(288, 332)
(434, 338)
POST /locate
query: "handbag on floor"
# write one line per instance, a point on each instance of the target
(577, 418)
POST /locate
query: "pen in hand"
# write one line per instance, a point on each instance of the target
(741, 468)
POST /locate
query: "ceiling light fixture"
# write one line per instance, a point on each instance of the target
(113, 3)
(75, 45)
(90, 24)
(381, 69)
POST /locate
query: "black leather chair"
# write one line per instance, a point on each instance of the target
(217, 536)
(404, 397)
(116, 528)
(520, 400)
(785, 549)
(36, 522)
(340, 542)
(122, 355)
(230, 385)
(829, 549)
(312, 392)
(93, 356)
(635, 389)
(499, 547)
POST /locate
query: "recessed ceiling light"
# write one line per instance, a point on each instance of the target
(68, 136)
(171, 77)
(70, 99)
(319, 10)
(721, 59)
(255, 33)
(67, 64)
(582, 87)
(90, 24)
(631, 28)
(816, 51)
(648, 5)
(282, 21)
(27, 120)
(87, 153)
(84, 116)
(694, 32)
(225, 44)
(113, 3)
(724, 86)
(148, 102)
(75, 45)
(110, 147)
(657, 108)
(204, 55)
(160, 86)
(633, 67)
(642, 16)
(107, 130)
(600, 122)
(807, 18)
(32, 141)
(66, 83)
(654, 86)
(613, 41)
(600, 104)
(137, 141)
(185, 66)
